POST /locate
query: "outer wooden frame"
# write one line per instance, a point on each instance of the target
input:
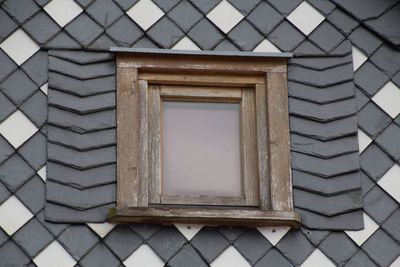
(136, 72)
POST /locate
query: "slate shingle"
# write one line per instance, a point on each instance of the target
(100, 256)
(104, 12)
(36, 68)
(379, 205)
(21, 10)
(14, 172)
(32, 194)
(286, 37)
(205, 34)
(78, 240)
(127, 4)
(167, 5)
(124, 32)
(122, 241)
(314, 236)
(245, 7)
(187, 256)
(369, 78)
(339, 247)
(7, 65)
(295, 247)
(166, 242)
(245, 36)
(387, 59)
(375, 162)
(62, 41)
(389, 141)
(360, 259)
(7, 25)
(365, 40)
(325, 6)
(185, 15)
(392, 226)
(165, 33)
(372, 119)
(362, 10)
(326, 37)
(204, 6)
(35, 108)
(84, 30)
(345, 23)
(11, 255)
(265, 18)
(252, 245)
(285, 7)
(273, 258)
(34, 151)
(202, 240)
(41, 27)
(381, 248)
(7, 107)
(18, 87)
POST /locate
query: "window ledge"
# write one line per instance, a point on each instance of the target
(211, 216)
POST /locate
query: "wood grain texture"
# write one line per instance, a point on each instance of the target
(279, 142)
(205, 216)
(206, 64)
(203, 200)
(201, 93)
(249, 147)
(262, 146)
(143, 164)
(127, 138)
(202, 79)
(155, 159)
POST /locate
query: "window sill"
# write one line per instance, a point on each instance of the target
(209, 216)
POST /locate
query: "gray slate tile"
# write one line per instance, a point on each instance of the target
(126, 4)
(342, 21)
(33, 237)
(361, 98)
(339, 247)
(122, 241)
(165, 33)
(104, 12)
(325, 6)
(369, 78)
(84, 30)
(285, 7)
(100, 256)
(375, 162)
(387, 59)
(252, 245)
(7, 65)
(7, 25)
(3, 237)
(62, 41)
(104, 42)
(20, 10)
(209, 243)
(396, 79)
(36, 68)
(366, 183)
(379, 205)
(204, 6)
(389, 141)
(78, 240)
(360, 259)
(392, 226)
(226, 45)
(42, 2)
(307, 48)
(387, 25)
(187, 256)
(84, 3)
(7, 107)
(230, 233)
(35, 108)
(314, 236)
(145, 230)
(326, 37)
(205, 34)
(4, 194)
(54, 228)
(145, 42)
(365, 40)
(362, 10)
(372, 119)
(245, 36)
(273, 258)
(381, 248)
(124, 32)
(265, 18)
(32, 194)
(41, 27)
(349, 221)
(185, 15)
(295, 247)
(34, 151)
(18, 87)
(6, 150)
(14, 172)
(166, 242)
(166, 5)
(286, 37)
(11, 255)
(245, 7)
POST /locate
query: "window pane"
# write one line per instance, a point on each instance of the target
(201, 149)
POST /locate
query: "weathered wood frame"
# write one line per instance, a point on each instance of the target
(263, 85)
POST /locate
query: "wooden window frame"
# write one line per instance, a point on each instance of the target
(258, 81)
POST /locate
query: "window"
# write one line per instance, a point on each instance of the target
(203, 138)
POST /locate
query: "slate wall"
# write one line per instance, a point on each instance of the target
(78, 127)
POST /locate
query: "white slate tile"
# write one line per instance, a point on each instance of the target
(19, 46)
(230, 257)
(143, 256)
(390, 182)
(13, 215)
(274, 234)
(54, 255)
(225, 16)
(266, 46)
(145, 13)
(188, 230)
(102, 229)
(358, 58)
(42, 173)
(63, 11)
(17, 128)
(185, 44)
(363, 140)
(388, 98)
(305, 17)
(317, 258)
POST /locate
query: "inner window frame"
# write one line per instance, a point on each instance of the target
(263, 77)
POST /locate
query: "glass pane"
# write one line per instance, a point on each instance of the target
(201, 149)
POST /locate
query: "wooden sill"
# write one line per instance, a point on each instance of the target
(206, 216)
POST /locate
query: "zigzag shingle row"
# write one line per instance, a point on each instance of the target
(81, 147)
(325, 159)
